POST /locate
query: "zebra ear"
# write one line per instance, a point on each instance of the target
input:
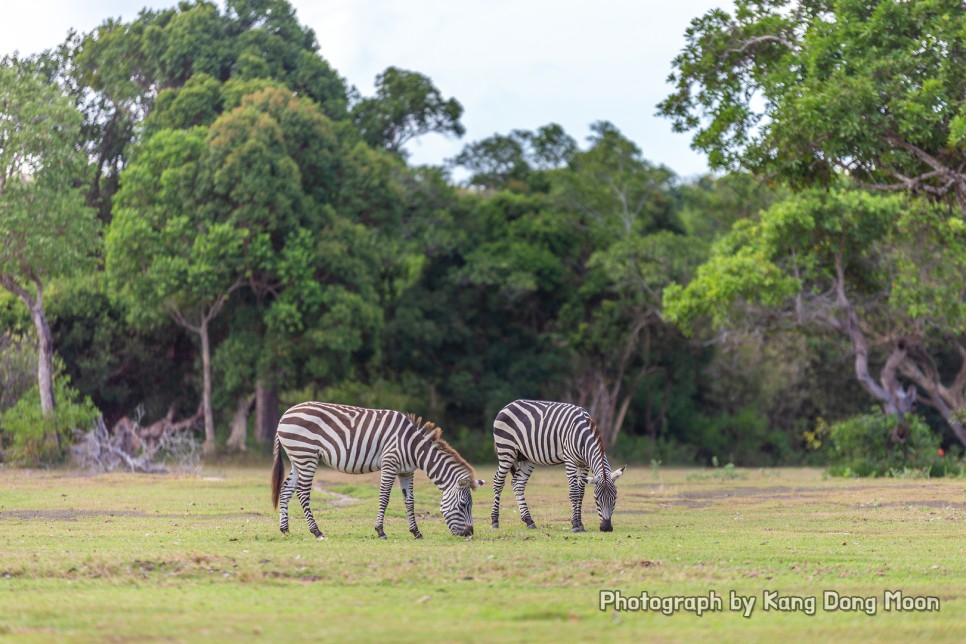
(591, 481)
(464, 482)
(617, 473)
(479, 483)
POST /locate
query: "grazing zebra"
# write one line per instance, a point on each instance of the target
(528, 432)
(357, 440)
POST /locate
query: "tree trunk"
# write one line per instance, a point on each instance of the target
(239, 424)
(45, 358)
(266, 412)
(209, 444)
(45, 343)
(893, 397)
(619, 421)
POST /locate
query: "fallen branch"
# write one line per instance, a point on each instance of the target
(137, 448)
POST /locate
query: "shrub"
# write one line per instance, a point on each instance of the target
(33, 439)
(875, 444)
(18, 369)
(630, 448)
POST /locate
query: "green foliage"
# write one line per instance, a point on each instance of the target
(789, 252)
(636, 449)
(119, 365)
(171, 63)
(805, 90)
(18, 368)
(31, 439)
(518, 159)
(45, 228)
(878, 444)
(406, 105)
(744, 437)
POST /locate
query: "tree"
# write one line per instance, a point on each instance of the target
(45, 228)
(500, 159)
(241, 211)
(853, 264)
(166, 252)
(406, 105)
(121, 72)
(804, 90)
(627, 209)
(614, 324)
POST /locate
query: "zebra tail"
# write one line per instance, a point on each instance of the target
(277, 472)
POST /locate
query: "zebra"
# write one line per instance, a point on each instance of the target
(357, 440)
(529, 432)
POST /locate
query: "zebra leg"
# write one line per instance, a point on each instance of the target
(385, 488)
(575, 476)
(519, 483)
(303, 490)
(406, 483)
(288, 488)
(499, 479)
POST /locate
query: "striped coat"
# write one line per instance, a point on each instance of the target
(529, 432)
(357, 440)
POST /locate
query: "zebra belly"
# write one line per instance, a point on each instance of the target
(352, 468)
(540, 459)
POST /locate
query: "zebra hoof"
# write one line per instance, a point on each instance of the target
(284, 532)
(494, 525)
(579, 528)
(382, 536)
(532, 526)
(417, 534)
(318, 534)
(320, 537)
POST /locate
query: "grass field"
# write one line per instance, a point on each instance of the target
(199, 557)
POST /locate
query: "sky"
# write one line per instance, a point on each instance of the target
(513, 64)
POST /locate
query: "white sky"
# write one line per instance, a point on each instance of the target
(511, 63)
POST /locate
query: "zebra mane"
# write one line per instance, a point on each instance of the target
(435, 434)
(597, 435)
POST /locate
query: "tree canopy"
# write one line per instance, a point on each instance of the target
(806, 90)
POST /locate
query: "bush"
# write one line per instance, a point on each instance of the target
(875, 444)
(18, 369)
(475, 446)
(629, 448)
(32, 439)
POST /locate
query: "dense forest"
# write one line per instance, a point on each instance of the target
(201, 223)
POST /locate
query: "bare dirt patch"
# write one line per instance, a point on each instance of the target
(334, 498)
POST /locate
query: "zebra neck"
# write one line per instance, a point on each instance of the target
(441, 468)
(597, 462)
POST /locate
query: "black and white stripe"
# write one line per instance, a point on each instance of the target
(357, 440)
(529, 432)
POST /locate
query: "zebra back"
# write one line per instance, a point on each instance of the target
(550, 433)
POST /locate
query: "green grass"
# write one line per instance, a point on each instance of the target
(191, 558)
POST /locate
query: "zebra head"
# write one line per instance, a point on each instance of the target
(457, 506)
(605, 495)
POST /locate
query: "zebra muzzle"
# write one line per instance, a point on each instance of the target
(605, 526)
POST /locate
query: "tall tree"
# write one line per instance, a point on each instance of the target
(627, 209)
(853, 264)
(806, 89)
(121, 70)
(45, 228)
(501, 159)
(166, 253)
(241, 211)
(406, 105)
